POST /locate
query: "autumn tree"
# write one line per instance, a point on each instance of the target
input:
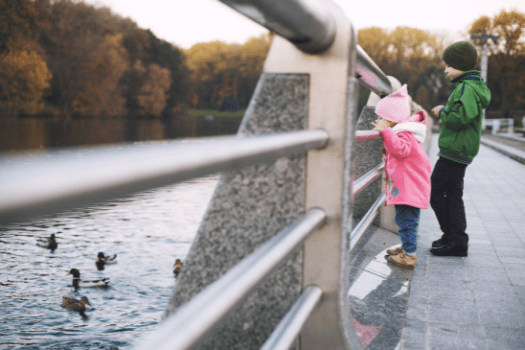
(506, 67)
(103, 90)
(253, 55)
(410, 55)
(154, 59)
(73, 33)
(104, 65)
(18, 20)
(152, 93)
(172, 60)
(224, 76)
(24, 77)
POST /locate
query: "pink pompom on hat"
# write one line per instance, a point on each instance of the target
(395, 107)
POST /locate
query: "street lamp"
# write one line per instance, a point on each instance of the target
(484, 61)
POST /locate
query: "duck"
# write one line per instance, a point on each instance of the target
(81, 283)
(177, 267)
(49, 243)
(75, 304)
(103, 260)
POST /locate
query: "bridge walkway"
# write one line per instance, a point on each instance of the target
(475, 302)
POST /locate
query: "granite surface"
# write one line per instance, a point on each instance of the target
(367, 155)
(249, 207)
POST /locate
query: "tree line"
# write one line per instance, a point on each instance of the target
(413, 56)
(64, 58)
(506, 61)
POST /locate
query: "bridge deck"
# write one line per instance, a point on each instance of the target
(476, 302)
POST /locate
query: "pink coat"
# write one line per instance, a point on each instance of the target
(407, 167)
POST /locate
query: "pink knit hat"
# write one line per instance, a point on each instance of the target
(395, 107)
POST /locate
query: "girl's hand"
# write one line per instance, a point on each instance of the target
(380, 124)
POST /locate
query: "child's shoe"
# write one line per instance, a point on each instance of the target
(394, 251)
(403, 260)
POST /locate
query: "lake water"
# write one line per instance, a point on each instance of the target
(148, 232)
(42, 133)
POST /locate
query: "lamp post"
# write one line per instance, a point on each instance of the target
(484, 61)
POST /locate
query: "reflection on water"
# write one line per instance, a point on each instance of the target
(33, 132)
(147, 232)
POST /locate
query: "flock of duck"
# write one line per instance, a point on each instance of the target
(102, 260)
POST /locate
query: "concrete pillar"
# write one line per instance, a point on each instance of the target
(249, 207)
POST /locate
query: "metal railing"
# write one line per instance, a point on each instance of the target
(66, 180)
(72, 179)
(200, 315)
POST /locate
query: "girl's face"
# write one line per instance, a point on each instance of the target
(452, 72)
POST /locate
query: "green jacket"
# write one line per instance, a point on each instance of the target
(460, 134)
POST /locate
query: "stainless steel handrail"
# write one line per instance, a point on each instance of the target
(365, 222)
(57, 181)
(193, 320)
(307, 25)
(370, 75)
(288, 329)
(311, 28)
(366, 135)
(365, 180)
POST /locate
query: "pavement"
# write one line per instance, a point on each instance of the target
(475, 302)
(512, 152)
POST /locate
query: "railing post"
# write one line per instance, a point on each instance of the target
(332, 100)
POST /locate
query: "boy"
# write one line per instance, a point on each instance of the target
(459, 141)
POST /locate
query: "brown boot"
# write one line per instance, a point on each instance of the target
(403, 260)
(394, 251)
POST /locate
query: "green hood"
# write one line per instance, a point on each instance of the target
(473, 80)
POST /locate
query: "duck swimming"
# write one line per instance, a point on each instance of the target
(75, 304)
(81, 283)
(103, 260)
(49, 243)
(177, 267)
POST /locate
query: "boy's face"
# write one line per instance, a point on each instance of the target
(452, 72)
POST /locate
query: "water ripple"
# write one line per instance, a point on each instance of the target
(147, 231)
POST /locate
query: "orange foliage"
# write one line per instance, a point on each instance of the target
(153, 92)
(107, 66)
(224, 74)
(24, 77)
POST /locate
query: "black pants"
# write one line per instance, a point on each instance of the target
(446, 199)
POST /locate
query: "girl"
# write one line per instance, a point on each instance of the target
(407, 170)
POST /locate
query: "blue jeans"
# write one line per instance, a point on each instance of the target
(407, 218)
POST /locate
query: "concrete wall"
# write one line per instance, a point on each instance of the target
(366, 156)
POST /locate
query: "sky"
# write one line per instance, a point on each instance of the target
(187, 22)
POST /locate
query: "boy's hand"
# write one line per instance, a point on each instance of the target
(380, 124)
(436, 110)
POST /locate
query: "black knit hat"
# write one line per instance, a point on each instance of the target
(461, 55)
